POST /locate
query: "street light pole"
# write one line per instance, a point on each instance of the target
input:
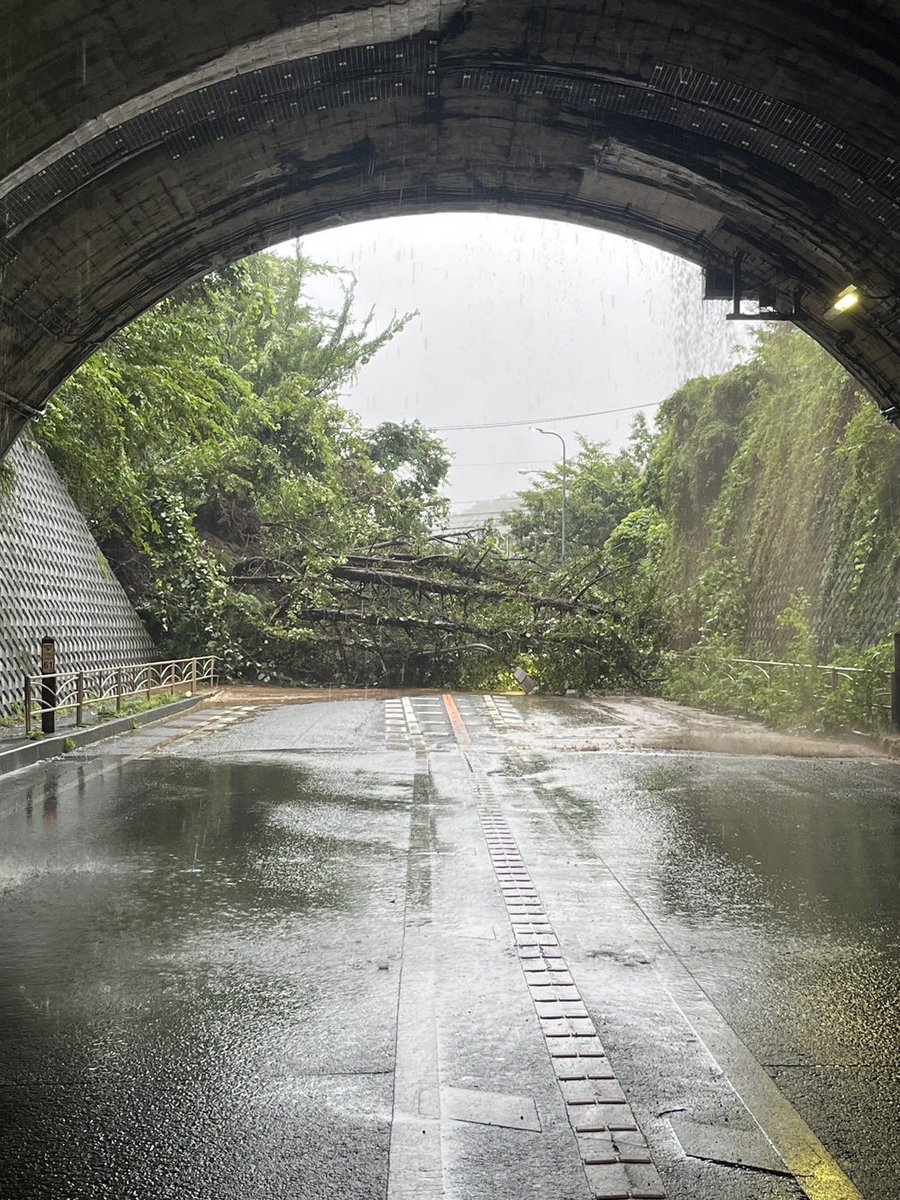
(553, 433)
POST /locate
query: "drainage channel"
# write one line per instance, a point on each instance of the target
(614, 1153)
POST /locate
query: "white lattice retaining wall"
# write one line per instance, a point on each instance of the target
(55, 582)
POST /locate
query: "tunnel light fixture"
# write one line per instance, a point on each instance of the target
(843, 302)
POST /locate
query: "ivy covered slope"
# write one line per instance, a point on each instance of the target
(780, 485)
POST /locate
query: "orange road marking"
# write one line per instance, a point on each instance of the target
(459, 725)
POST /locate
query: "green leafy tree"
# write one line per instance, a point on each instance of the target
(205, 441)
(601, 489)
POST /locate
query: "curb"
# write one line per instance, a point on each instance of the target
(34, 752)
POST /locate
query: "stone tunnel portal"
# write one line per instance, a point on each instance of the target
(144, 145)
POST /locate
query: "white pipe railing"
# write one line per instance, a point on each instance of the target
(76, 691)
(891, 689)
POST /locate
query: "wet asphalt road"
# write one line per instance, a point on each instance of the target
(267, 955)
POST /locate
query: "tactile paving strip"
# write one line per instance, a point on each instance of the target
(614, 1153)
(502, 714)
(401, 728)
(419, 723)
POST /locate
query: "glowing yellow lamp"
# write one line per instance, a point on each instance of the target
(844, 301)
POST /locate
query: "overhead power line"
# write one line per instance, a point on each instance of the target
(486, 501)
(601, 412)
(534, 462)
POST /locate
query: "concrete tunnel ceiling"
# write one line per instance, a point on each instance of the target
(144, 144)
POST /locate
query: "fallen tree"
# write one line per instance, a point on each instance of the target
(390, 622)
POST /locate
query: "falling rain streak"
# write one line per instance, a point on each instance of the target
(520, 319)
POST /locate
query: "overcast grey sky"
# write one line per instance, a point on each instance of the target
(520, 319)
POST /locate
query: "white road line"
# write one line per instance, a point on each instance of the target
(415, 1168)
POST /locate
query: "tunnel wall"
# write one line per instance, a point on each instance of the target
(54, 581)
(142, 150)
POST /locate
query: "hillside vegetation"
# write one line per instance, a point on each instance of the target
(247, 513)
(780, 486)
(250, 515)
(776, 478)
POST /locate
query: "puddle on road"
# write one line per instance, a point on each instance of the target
(201, 957)
(774, 881)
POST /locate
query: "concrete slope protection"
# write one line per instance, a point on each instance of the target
(423, 948)
(141, 150)
(54, 582)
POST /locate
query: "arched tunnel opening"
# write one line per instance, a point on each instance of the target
(587, 887)
(214, 497)
(140, 152)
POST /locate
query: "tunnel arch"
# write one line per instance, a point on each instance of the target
(145, 145)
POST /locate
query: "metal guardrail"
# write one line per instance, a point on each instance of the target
(891, 689)
(838, 672)
(835, 670)
(68, 691)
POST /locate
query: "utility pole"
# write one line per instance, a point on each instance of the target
(553, 433)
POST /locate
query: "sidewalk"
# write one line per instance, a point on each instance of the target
(17, 750)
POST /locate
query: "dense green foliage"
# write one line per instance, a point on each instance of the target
(248, 514)
(778, 477)
(759, 523)
(207, 433)
(780, 483)
(851, 692)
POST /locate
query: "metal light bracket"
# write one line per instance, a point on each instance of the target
(765, 314)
